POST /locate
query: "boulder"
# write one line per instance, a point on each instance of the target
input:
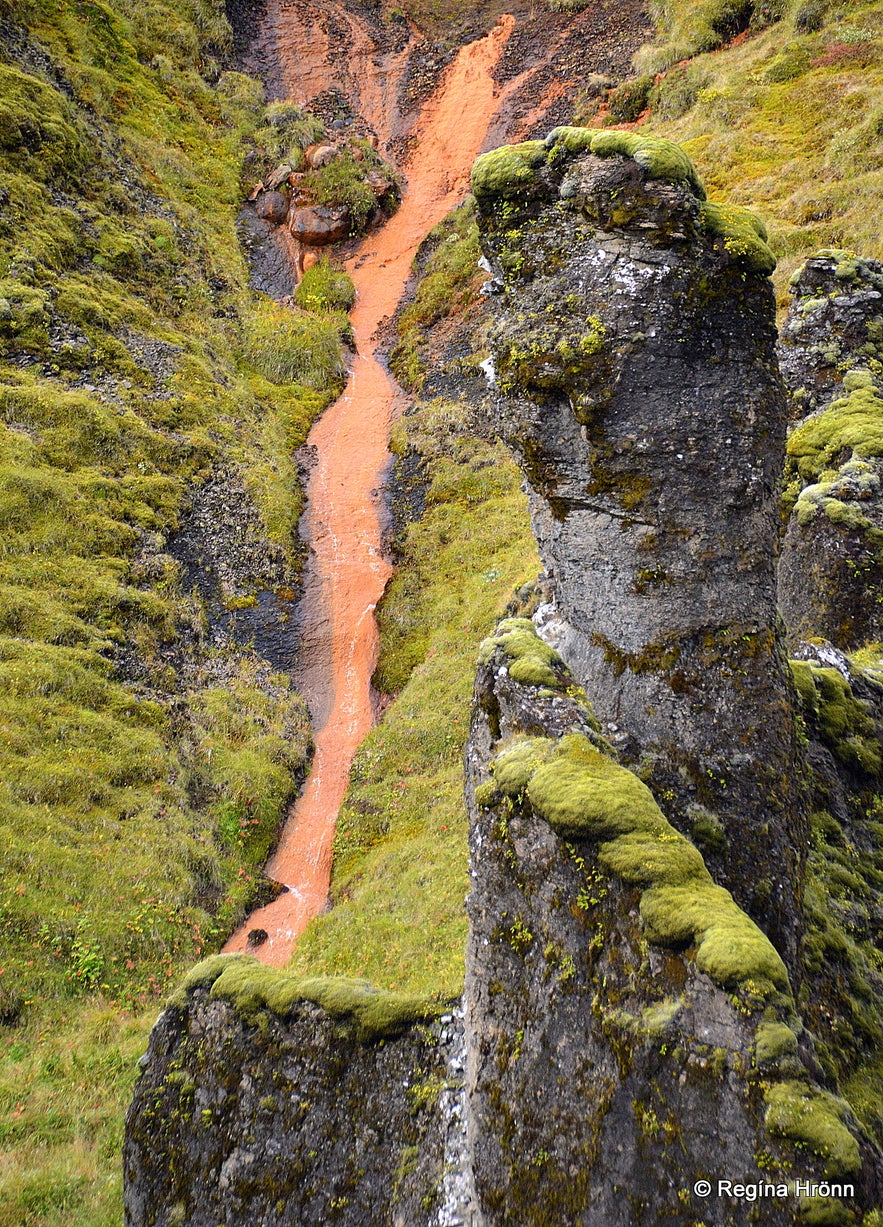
(272, 207)
(279, 176)
(320, 225)
(320, 155)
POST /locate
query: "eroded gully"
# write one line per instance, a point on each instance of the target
(347, 570)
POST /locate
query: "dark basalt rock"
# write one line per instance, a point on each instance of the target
(831, 570)
(255, 1119)
(272, 207)
(634, 357)
(607, 1075)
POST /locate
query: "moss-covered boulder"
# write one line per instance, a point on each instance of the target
(275, 1100)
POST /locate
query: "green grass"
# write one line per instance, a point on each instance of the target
(65, 1084)
(788, 122)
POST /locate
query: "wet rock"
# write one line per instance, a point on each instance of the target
(379, 184)
(633, 356)
(272, 207)
(321, 225)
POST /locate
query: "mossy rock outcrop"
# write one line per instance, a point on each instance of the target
(636, 383)
(622, 1007)
(831, 353)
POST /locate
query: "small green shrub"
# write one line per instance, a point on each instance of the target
(294, 347)
(324, 288)
(630, 98)
(678, 90)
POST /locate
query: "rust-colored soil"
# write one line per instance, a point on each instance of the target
(347, 571)
(311, 51)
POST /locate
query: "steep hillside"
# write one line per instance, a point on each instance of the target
(146, 756)
(150, 409)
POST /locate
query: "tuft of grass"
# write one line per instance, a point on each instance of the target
(286, 346)
(65, 1083)
(323, 288)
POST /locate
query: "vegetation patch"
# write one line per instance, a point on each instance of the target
(583, 794)
(449, 282)
(813, 1119)
(783, 120)
(250, 986)
(844, 722)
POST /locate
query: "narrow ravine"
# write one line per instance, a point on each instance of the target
(347, 571)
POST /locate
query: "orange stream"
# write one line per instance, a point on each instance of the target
(347, 571)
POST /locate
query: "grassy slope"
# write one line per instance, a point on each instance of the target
(789, 122)
(800, 150)
(133, 359)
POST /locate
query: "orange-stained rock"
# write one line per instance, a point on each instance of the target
(319, 226)
(272, 207)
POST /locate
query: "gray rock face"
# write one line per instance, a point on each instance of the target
(834, 323)
(253, 1120)
(607, 1075)
(634, 355)
(831, 570)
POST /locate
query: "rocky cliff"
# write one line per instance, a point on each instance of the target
(634, 356)
(671, 970)
(831, 350)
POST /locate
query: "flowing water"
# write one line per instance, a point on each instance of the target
(347, 571)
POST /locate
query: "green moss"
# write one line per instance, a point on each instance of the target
(707, 829)
(825, 1212)
(844, 722)
(584, 795)
(773, 1042)
(660, 159)
(743, 235)
(852, 423)
(629, 99)
(250, 986)
(38, 132)
(486, 794)
(813, 1119)
(514, 765)
(323, 288)
(530, 660)
(657, 1020)
(506, 171)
